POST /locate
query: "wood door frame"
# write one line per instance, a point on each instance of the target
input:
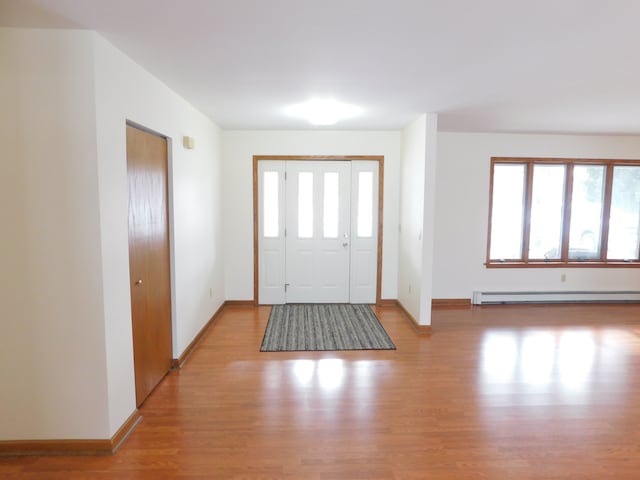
(294, 158)
(170, 231)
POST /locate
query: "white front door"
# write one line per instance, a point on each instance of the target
(318, 232)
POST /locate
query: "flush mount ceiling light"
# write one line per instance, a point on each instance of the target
(323, 112)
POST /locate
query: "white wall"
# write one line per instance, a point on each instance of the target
(238, 150)
(410, 246)
(65, 339)
(52, 349)
(462, 203)
(124, 91)
(428, 216)
(417, 213)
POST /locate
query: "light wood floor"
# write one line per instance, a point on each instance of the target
(504, 392)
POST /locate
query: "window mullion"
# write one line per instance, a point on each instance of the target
(526, 217)
(566, 217)
(606, 212)
(491, 180)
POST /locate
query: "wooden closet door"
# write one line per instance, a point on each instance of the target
(147, 167)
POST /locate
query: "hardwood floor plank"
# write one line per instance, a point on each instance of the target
(523, 392)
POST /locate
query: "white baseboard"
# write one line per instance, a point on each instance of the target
(485, 298)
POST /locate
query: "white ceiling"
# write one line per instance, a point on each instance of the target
(570, 66)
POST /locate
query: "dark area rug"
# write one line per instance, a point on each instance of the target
(327, 326)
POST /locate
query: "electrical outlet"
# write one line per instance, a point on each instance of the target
(210, 292)
(409, 288)
(563, 277)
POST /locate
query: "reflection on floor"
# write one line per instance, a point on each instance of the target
(501, 392)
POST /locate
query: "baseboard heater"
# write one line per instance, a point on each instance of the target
(489, 298)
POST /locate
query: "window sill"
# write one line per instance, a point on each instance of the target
(560, 264)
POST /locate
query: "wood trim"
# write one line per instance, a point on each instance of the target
(125, 430)
(568, 264)
(380, 227)
(256, 272)
(490, 213)
(332, 158)
(451, 302)
(606, 212)
(179, 362)
(71, 447)
(239, 303)
(435, 303)
(21, 448)
(378, 158)
(419, 329)
(582, 161)
(139, 126)
(526, 223)
(566, 214)
(388, 302)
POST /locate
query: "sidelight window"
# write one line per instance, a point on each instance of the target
(365, 205)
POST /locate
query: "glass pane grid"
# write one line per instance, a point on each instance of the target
(270, 205)
(508, 211)
(547, 201)
(331, 205)
(586, 212)
(365, 205)
(305, 205)
(624, 219)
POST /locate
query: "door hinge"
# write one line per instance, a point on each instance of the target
(286, 285)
